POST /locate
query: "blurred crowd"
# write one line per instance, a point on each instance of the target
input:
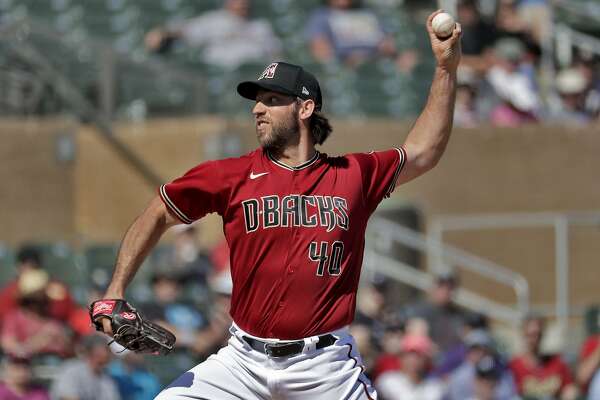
(50, 350)
(429, 349)
(434, 350)
(500, 79)
(339, 31)
(513, 70)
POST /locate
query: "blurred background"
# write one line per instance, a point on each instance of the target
(480, 279)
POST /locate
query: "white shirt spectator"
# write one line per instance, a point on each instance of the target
(396, 386)
(229, 40)
(76, 380)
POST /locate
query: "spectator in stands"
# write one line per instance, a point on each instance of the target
(455, 356)
(167, 308)
(27, 330)
(411, 383)
(589, 66)
(228, 37)
(462, 382)
(519, 100)
(190, 261)
(538, 375)
(465, 108)
(572, 87)
(134, 381)
(216, 333)
(345, 32)
(537, 15)
(594, 392)
(17, 381)
(488, 373)
(509, 23)
(85, 378)
(60, 301)
(370, 306)
(588, 370)
(445, 320)
(388, 358)
(478, 37)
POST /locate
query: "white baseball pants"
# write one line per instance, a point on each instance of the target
(238, 371)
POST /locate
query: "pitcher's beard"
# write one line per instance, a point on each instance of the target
(282, 134)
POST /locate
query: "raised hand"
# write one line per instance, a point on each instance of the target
(447, 51)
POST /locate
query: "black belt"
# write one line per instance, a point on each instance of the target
(286, 349)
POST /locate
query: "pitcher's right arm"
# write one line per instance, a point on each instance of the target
(140, 239)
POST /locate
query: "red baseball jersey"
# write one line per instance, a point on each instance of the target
(296, 234)
(546, 380)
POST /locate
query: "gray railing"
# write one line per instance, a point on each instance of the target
(567, 38)
(558, 221)
(384, 234)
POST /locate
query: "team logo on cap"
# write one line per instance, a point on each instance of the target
(305, 90)
(269, 72)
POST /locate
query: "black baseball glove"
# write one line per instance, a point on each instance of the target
(130, 329)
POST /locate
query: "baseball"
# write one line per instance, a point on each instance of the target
(443, 25)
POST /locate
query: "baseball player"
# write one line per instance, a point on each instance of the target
(295, 220)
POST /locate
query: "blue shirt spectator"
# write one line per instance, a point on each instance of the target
(133, 380)
(342, 32)
(462, 381)
(594, 391)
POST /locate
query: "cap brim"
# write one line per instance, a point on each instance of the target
(249, 89)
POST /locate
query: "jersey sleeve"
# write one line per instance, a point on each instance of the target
(200, 191)
(379, 172)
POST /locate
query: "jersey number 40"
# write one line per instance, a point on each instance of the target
(326, 259)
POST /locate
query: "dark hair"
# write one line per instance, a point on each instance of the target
(91, 341)
(488, 368)
(320, 128)
(29, 254)
(476, 320)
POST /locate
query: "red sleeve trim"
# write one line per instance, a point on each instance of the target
(178, 213)
(401, 162)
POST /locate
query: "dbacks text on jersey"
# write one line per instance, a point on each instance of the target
(296, 210)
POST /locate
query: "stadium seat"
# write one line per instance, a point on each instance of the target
(63, 264)
(7, 270)
(170, 367)
(123, 24)
(100, 259)
(592, 320)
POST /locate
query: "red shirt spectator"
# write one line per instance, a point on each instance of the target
(538, 375)
(17, 381)
(386, 363)
(60, 303)
(28, 330)
(589, 360)
(589, 346)
(539, 380)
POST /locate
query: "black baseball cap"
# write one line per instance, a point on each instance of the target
(289, 79)
(488, 368)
